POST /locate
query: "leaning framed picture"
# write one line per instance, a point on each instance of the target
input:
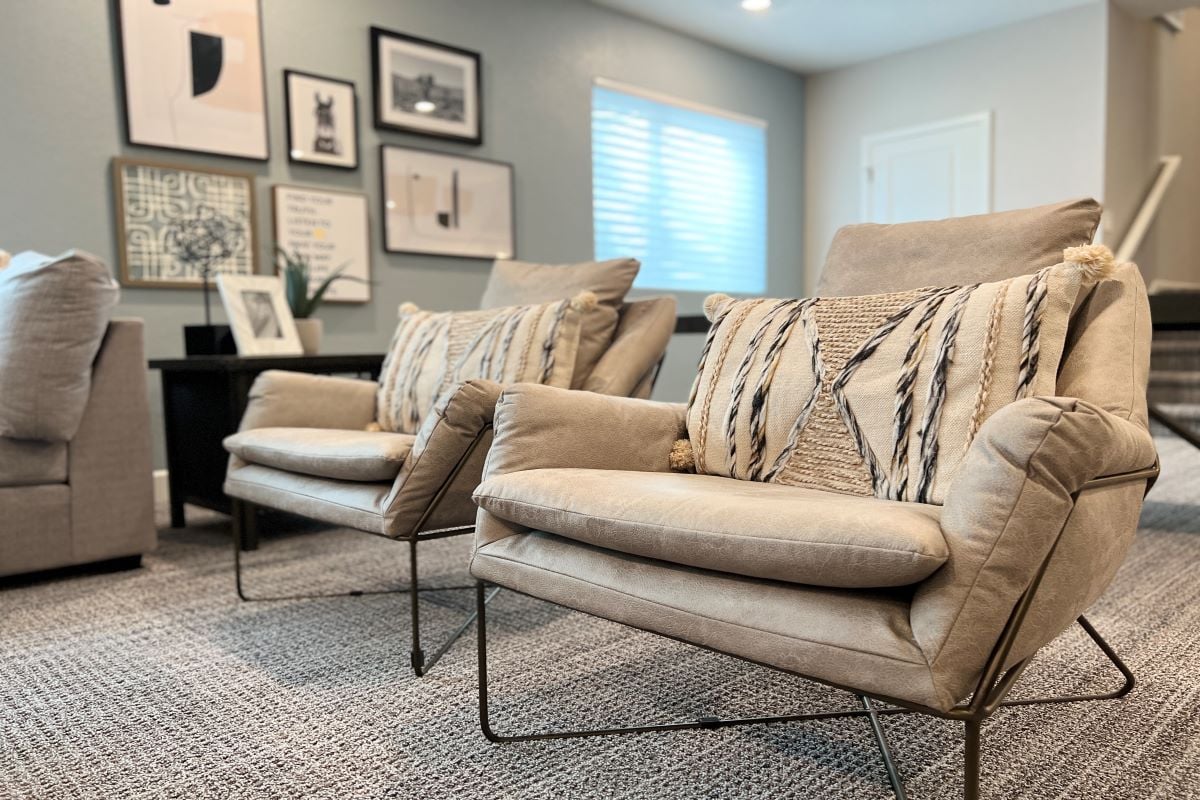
(448, 205)
(329, 229)
(322, 120)
(426, 87)
(259, 315)
(193, 73)
(178, 225)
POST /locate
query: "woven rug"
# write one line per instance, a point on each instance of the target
(159, 683)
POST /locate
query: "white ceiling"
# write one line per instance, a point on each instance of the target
(816, 35)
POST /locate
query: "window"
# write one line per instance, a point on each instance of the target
(680, 188)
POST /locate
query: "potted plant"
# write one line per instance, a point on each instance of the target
(303, 299)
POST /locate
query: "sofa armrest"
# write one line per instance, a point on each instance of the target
(540, 427)
(280, 399)
(1012, 497)
(445, 463)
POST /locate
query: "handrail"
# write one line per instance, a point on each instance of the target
(1148, 210)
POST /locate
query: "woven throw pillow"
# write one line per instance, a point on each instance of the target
(879, 394)
(433, 352)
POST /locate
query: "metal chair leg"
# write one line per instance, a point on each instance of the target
(889, 763)
(971, 759)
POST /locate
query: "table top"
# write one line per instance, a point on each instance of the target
(353, 362)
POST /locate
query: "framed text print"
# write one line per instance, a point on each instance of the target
(194, 75)
(329, 229)
(425, 87)
(448, 205)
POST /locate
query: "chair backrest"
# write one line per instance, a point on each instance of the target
(627, 368)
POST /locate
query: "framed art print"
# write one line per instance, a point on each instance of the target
(259, 315)
(194, 75)
(329, 229)
(322, 120)
(176, 222)
(448, 205)
(425, 87)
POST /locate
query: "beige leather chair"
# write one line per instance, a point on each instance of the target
(578, 507)
(303, 447)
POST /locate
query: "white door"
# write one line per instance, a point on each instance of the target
(943, 169)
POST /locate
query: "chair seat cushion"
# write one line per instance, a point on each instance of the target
(325, 453)
(758, 530)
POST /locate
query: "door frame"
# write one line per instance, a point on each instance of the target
(981, 119)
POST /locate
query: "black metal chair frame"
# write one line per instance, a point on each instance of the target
(245, 519)
(989, 696)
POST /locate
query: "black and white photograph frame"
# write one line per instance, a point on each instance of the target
(322, 119)
(330, 229)
(427, 88)
(445, 204)
(193, 76)
(177, 223)
(259, 315)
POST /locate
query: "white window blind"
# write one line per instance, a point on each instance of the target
(681, 189)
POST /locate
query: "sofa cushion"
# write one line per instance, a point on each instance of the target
(25, 462)
(871, 258)
(877, 395)
(516, 282)
(54, 312)
(432, 353)
(325, 453)
(753, 529)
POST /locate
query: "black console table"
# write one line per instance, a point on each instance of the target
(203, 401)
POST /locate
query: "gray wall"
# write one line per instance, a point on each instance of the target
(63, 123)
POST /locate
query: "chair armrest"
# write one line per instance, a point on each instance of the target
(433, 489)
(280, 399)
(540, 427)
(1011, 499)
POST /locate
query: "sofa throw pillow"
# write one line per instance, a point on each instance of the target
(434, 352)
(878, 394)
(54, 311)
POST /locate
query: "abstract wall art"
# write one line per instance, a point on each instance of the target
(441, 204)
(425, 87)
(178, 224)
(194, 75)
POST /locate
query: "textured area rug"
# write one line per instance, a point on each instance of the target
(159, 683)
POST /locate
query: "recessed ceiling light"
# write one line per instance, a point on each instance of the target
(756, 5)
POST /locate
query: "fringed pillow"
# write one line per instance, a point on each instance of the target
(877, 395)
(433, 352)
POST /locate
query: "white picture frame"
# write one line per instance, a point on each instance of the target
(447, 205)
(331, 229)
(259, 315)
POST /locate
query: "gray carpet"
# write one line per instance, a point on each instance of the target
(158, 683)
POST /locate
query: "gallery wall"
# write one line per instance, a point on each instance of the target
(63, 123)
(1044, 81)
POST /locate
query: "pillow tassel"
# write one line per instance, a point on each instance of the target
(1095, 262)
(682, 457)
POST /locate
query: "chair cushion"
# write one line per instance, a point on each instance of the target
(24, 462)
(325, 453)
(54, 312)
(870, 258)
(433, 353)
(753, 529)
(877, 395)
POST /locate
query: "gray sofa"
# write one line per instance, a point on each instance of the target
(75, 463)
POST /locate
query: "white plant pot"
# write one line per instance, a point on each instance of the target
(310, 331)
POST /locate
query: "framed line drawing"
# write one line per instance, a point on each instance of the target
(176, 223)
(322, 120)
(425, 87)
(329, 228)
(193, 76)
(445, 204)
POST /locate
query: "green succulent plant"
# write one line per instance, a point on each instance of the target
(296, 270)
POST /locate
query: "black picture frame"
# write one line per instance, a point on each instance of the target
(287, 119)
(117, 7)
(384, 224)
(377, 94)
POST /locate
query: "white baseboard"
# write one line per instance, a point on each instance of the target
(162, 495)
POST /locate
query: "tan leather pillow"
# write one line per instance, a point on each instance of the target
(876, 394)
(517, 282)
(870, 258)
(433, 353)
